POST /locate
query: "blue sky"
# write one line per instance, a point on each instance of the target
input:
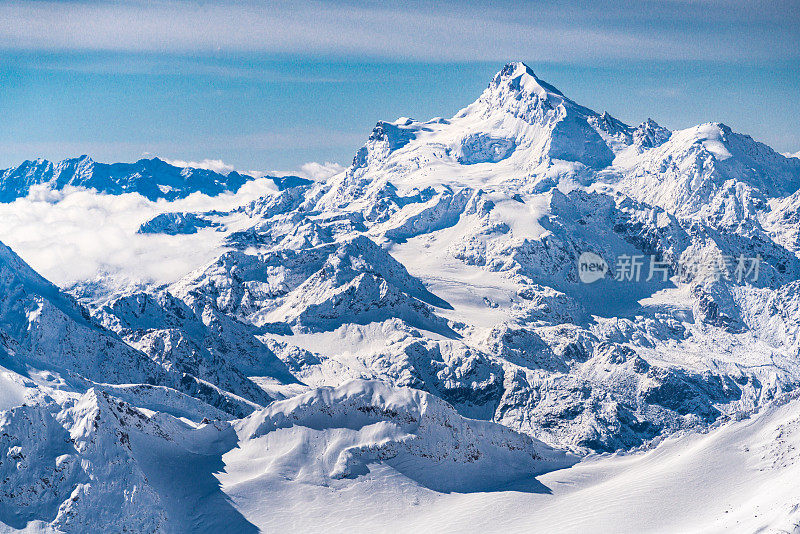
(270, 86)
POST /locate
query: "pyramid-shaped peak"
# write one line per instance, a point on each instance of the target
(518, 76)
(650, 134)
(515, 68)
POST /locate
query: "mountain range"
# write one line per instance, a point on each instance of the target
(415, 333)
(152, 178)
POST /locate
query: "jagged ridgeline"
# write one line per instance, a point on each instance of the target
(152, 178)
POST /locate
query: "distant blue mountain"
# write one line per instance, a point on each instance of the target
(152, 178)
(289, 181)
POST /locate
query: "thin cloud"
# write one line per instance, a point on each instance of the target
(444, 31)
(169, 65)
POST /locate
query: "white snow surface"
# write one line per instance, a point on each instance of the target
(740, 477)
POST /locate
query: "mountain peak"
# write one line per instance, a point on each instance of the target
(650, 134)
(519, 77)
(514, 68)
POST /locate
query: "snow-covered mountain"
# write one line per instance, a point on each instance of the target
(418, 327)
(152, 178)
(46, 334)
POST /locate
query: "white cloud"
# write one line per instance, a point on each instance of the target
(320, 171)
(76, 234)
(216, 165)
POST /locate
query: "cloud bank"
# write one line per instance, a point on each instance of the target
(76, 235)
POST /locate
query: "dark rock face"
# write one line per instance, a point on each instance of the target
(176, 223)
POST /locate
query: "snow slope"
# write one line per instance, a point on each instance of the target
(740, 477)
(338, 433)
(95, 460)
